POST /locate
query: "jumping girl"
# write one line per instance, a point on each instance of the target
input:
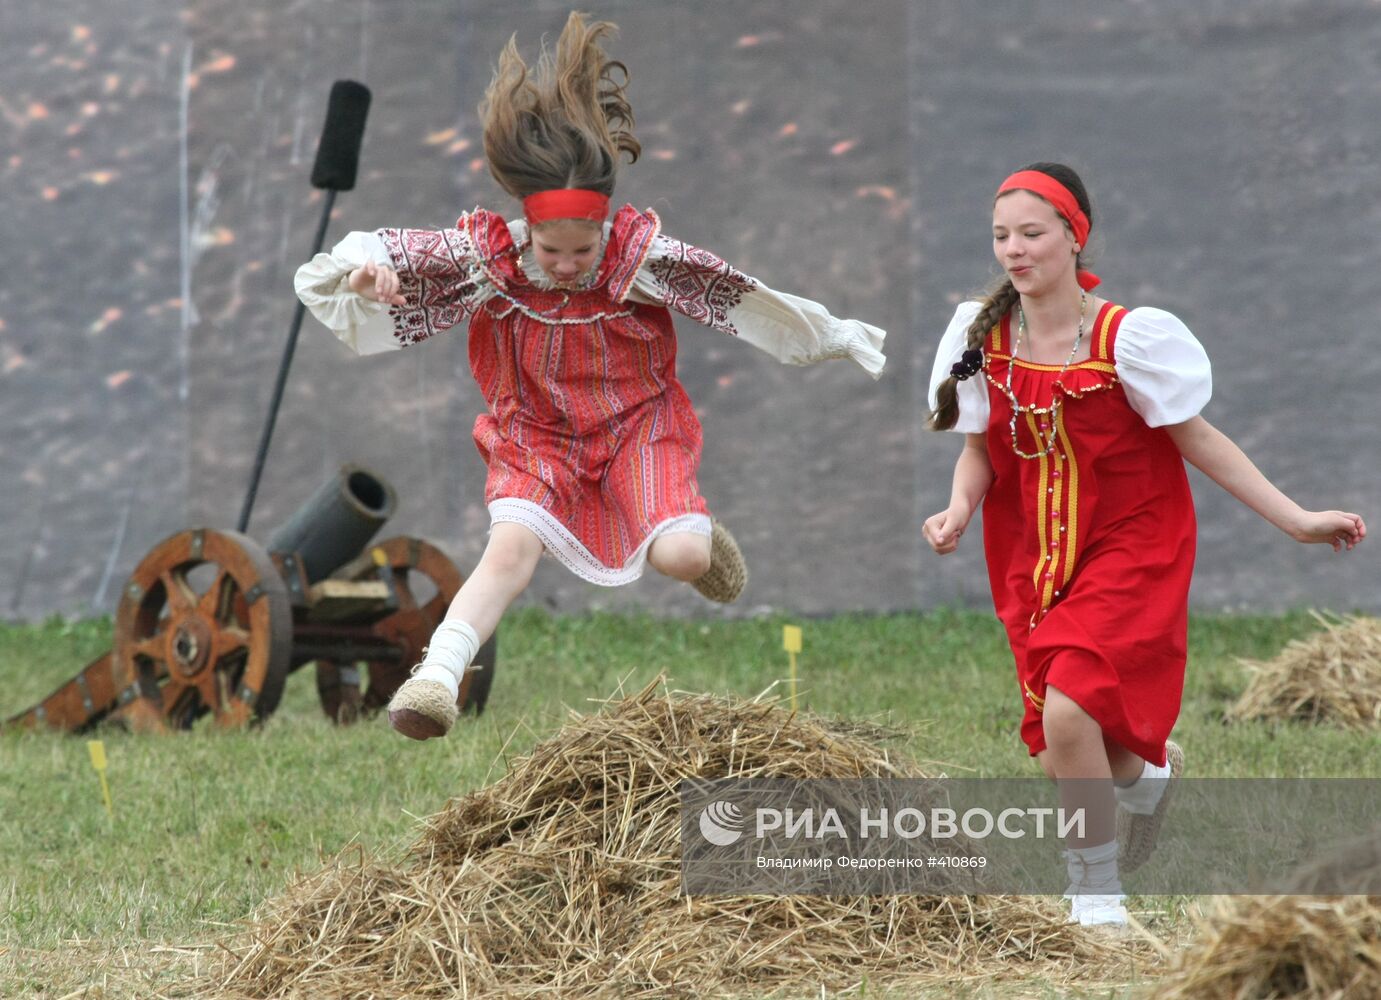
(1079, 416)
(591, 443)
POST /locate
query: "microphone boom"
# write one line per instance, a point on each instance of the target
(338, 152)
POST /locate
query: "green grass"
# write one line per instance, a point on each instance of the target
(207, 825)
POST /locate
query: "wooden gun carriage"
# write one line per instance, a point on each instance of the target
(210, 623)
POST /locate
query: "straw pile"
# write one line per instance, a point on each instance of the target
(1291, 947)
(561, 880)
(1332, 677)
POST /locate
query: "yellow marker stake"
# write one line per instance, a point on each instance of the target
(97, 750)
(791, 642)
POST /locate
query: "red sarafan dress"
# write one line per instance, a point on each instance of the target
(1090, 544)
(589, 437)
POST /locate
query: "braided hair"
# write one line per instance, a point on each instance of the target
(998, 301)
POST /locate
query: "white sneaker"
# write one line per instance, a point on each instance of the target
(1097, 909)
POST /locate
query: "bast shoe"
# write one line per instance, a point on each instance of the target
(422, 709)
(1137, 832)
(724, 581)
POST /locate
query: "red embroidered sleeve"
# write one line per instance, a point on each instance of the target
(437, 277)
(698, 284)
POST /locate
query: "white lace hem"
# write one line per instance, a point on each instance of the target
(571, 553)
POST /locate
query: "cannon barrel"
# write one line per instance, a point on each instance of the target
(337, 521)
(211, 623)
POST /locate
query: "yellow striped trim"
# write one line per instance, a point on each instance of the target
(1070, 549)
(1037, 702)
(1067, 497)
(1099, 366)
(1104, 328)
(1042, 509)
(1045, 588)
(995, 340)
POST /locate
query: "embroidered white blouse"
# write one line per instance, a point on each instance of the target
(792, 329)
(1162, 367)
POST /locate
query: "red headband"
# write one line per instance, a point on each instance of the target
(1064, 203)
(565, 203)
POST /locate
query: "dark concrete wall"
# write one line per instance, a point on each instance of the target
(156, 158)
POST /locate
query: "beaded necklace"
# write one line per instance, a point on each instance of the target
(552, 316)
(1057, 400)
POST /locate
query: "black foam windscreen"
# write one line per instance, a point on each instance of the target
(338, 152)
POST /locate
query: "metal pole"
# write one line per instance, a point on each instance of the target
(282, 381)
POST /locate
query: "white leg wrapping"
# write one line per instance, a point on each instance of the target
(1093, 869)
(1142, 796)
(1095, 891)
(452, 649)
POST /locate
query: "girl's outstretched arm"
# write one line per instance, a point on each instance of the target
(1216, 455)
(794, 330)
(973, 474)
(390, 288)
(376, 282)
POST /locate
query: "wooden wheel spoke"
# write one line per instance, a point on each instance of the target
(229, 642)
(176, 695)
(205, 623)
(235, 714)
(215, 604)
(174, 688)
(406, 600)
(425, 582)
(209, 685)
(181, 598)
(402, 622)
(153, 648)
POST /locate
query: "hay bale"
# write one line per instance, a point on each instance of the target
(1296, 947)
(561, 880)
(1282, 948)
(1332, 677)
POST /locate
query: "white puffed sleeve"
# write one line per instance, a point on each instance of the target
(973, 391)
(1164, 370)
(322, 284)
(793, 330)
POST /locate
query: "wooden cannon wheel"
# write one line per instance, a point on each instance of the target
(204, 626)
(425, 581)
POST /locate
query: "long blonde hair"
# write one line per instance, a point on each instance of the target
(563, 124)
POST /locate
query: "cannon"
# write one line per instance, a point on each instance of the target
(210, 623)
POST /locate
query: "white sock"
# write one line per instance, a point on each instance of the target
(1142, 796)
(453, 646)
(1093, 870)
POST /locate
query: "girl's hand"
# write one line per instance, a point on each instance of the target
(1330, 527)
(377, 282)
(944, 529)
